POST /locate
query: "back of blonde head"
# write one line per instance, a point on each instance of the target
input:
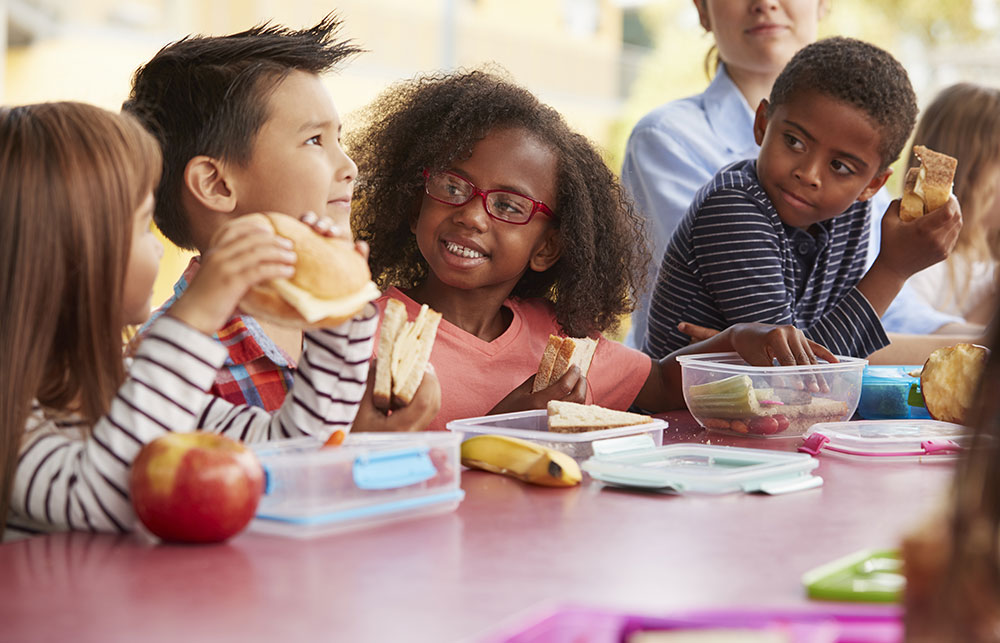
(963, 121)
(71, 178)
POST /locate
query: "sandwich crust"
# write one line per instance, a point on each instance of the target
(927, 187)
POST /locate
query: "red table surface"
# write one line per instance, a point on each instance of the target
(508, 550)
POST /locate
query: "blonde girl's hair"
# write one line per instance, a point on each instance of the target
(962, 603)
(71, 179)
(964, 121)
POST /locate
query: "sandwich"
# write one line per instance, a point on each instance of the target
(560, 354)
(928, 186)
(331, 284)
(735, 403)
(404, 348)
(569, 417)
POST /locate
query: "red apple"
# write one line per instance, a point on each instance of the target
(195, 487)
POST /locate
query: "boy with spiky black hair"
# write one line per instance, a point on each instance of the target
(782, 238)
(246, 125)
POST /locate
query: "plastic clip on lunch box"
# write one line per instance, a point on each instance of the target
(533, 425)
(700, 468)
(918, 440)
(891, 393)
(369, 480)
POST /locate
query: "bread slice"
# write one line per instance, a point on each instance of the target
(545, 366)
(911, 206)
(932, 184)
(569, 417)
(562, 353)
(415, 342)
(404, 348)
(392, 322)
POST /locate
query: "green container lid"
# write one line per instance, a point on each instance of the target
(872, 576)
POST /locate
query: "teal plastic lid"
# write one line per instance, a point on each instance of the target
(701, 468)
(872, 576)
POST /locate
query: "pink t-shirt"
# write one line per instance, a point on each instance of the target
(475, 375)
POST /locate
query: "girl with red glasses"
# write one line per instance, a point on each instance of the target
(479, 201)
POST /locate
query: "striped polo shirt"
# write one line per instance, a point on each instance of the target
(733, 260)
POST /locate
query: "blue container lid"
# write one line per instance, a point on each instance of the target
(890, 374)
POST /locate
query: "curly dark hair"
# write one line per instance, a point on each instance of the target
(431, 122)
(860, 74)
(208, 95)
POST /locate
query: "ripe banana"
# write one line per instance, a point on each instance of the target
(521, 459)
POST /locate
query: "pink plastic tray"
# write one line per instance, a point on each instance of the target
(821, 624)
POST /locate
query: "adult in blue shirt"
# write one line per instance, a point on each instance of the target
(679, 146)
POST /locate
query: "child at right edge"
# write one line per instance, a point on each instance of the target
(782, 239)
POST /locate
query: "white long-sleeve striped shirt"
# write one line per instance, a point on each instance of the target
(66, 479)
(733, 260)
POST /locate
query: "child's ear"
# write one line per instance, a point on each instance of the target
(875, 185)
(205, 178)
(703, 15)
(548, 252)
(824, 7)
(760, 122)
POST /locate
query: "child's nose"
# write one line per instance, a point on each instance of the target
(473, 214)
(346, 168)
(808, 172)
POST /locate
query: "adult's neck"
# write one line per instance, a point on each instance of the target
(755, 86)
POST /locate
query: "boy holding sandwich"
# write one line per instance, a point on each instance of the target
(781, 239)
(246, 126)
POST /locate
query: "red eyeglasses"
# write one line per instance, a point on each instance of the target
(502, 205)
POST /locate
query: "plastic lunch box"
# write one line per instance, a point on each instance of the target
(700, 468)
(726, 394)
(874, 440)
(533, 425)
(891, 393)
(370, 480)
(584, 624)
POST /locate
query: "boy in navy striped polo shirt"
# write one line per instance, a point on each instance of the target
(782, 239)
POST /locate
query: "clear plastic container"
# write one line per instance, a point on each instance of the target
(533, 425)
(811, 624)
(878, 440)
(890, 393)
(370, 480)
(726, 394)
(709, 469)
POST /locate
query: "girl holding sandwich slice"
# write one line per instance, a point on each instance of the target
(479, 201)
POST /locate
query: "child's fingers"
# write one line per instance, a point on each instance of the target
(243, 227)
(563, 387)
(579, 394)
(324, 226)
(424, 406)
(805, 357)
(695, 332)
(822, 352)
(252, 248)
